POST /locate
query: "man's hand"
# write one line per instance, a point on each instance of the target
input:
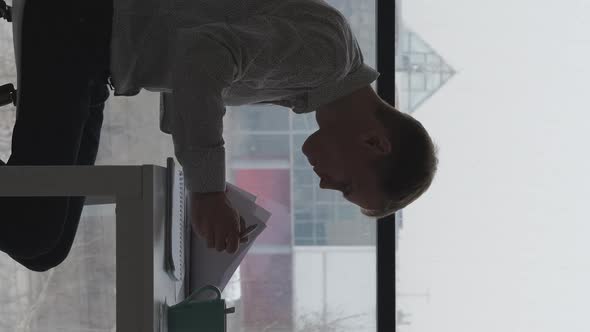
(213, 217)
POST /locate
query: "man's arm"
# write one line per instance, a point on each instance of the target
(203, 67)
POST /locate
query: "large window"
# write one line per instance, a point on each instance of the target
(297, 277)
(500, 241)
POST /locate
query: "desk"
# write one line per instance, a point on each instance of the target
(139, 192)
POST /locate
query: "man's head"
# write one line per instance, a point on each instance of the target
(380, 158)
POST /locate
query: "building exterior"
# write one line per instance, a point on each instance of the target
(420, 70)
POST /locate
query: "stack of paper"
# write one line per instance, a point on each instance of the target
(176, 223)
(210, 267)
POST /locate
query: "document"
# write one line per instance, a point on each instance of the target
(210, 267)
(176, 223)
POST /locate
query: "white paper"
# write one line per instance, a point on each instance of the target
(210, 267)
(261, 214)
(235, 189)
(175, 223)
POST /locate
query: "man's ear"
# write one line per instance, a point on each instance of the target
(376, 142)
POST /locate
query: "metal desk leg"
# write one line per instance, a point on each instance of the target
(134, 283)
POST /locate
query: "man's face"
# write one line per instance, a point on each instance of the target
(341, 156)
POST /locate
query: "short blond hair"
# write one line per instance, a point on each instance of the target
(408, 171)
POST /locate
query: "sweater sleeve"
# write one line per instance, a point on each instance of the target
(203, 68)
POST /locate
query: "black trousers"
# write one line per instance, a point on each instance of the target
(65, 58)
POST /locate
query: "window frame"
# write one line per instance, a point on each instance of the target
(385, 28)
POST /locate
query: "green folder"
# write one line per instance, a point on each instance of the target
(191, 315)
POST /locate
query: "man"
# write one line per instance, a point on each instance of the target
(301, 54)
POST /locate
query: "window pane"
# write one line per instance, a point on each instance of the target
(305, 121)
(325, 196)
(300, 161)
(275, 289)
(500, 240)
(78, 295)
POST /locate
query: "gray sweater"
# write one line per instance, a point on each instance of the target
(204, 55)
